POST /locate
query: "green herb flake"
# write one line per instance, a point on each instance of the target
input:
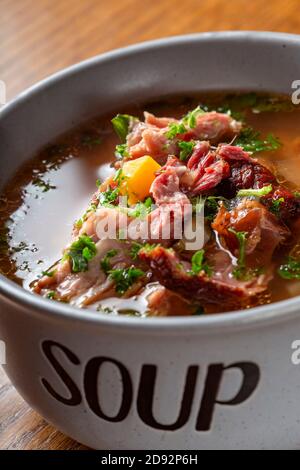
(211, 206)
(255, 192)
(109, 196)
(290, 270)
(272, 104)
(22, 246)
(103, 309)
(80, 253)
(137, 247)
(240, 271)
(119, 177)
(45, 186)
(125, 278)
(276, 205)
(121, 124)
(49, 273)
(105, 262)
(79, 222)
(51, 295)
(199, 265)
(190, 120)
(121, 151)
(175, 129)
(141, 209)
(198, 203)
(186, 149)
(250, 140)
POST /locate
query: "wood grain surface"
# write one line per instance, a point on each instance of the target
(39, 37)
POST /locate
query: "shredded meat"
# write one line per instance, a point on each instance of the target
(150, 137)
(212, 167)
(264, 231)
(173, 205)
(221, 288)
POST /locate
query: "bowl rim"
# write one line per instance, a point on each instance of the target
(237, 320)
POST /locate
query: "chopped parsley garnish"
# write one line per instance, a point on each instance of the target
(51, 295)
(190, 120)
(119, 177)
(250, 140)
(240, 271)
(276, 205)
(103, 309)
(255, 192)
(137, 247)
(105, 262)
(80, 253)
(141, 209)
(45, 186)
(212, 206)
(243, 101)
(22, 246)
(109, 196)
(297, 194)
(121, 124)
(129, 312)
(197, 204)
(125, 278)
(272, 104)
(121, 151)
(258, 103)
(175, 129)
(186, 149)
(290, 270)
(49, 273)
(79, 222)
(198, 264)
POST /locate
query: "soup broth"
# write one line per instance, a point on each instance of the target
(40, 204)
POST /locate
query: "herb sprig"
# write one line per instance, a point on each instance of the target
(199, 264)
(290, 270)
(80, 253)
(264, 191)
(121, 124)
(105, 262)
(125, 278)
(186, 149)
(240, 271)
(250, 140)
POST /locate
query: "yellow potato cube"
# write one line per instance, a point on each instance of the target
(138, 176)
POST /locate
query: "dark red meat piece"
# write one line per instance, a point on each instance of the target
(221, 288)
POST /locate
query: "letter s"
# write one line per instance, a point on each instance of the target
(75, 398)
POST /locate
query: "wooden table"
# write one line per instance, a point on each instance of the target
(40, 37)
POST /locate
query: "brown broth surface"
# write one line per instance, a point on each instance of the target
(39, 205)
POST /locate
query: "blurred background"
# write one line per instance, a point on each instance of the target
(39, 37)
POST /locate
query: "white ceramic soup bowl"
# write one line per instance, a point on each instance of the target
(211, 382)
